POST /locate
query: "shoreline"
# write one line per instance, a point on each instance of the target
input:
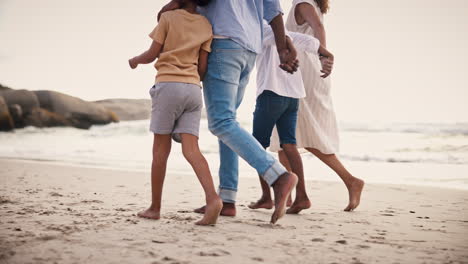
(249, 173)
(65, 214)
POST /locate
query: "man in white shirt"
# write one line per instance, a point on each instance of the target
(277, 104)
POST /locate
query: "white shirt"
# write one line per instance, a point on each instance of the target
(270, 76)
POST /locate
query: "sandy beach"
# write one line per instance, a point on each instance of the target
(56, 213)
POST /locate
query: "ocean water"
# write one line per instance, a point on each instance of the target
(417, 154)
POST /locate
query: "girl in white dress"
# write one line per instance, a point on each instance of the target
(317, 130)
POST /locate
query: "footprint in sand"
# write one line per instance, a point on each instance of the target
(259, 259)
(214, 253)
(318, 240)
(363, 246)
(343, 242)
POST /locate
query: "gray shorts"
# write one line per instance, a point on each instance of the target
(176, 108)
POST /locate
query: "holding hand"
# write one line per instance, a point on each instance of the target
(288, 57)
(327, 66)
(326, 59)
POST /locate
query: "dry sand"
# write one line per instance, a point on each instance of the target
(52, 213)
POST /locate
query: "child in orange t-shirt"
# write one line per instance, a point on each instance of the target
(181, 42)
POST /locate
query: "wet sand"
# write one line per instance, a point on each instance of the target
(55, 213)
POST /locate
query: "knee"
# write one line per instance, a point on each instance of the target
(190, 153)
(289, 147)
(220, 126)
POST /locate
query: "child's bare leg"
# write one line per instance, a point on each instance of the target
(265, 201)
(161, 150)
(285, 162)
(192, 154)
(302, 200)
(354, 185)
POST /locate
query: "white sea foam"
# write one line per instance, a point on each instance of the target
(127, 146)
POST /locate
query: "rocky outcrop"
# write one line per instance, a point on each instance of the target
(21, 108)
(128, 109)
(27, 100)
(80, 113)
(4, 88)
(6, 122)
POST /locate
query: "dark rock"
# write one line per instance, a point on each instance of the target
(6, 122)
(128, 109)
(79, 113)
(43, 118)
(16, 113)
(26, 99)
(4, 88)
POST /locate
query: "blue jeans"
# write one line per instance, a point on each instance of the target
(229, 67)
(272, 109)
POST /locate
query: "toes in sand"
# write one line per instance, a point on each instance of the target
(263, 203)
(355, 191)
(149, 214)
(298, 206)
(212, 211)
(282, 188)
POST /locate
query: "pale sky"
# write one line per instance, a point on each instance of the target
(395, 60)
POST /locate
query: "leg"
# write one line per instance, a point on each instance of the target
(221, 86)
(161, 150)
(354, 185)
(193, 155)
(285, 162)
(268, 108)
(302, 200)
(286, 126)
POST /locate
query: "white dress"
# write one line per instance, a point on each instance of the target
(316, 123)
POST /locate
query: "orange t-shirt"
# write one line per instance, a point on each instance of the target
(182, 35)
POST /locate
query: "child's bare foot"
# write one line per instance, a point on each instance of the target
(355, 190)
(282, 188)
(263, 203)
(229, 209)
(289, 202)
(212, 210)
(149, 214)
(298, 206)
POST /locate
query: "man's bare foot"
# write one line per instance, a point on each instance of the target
(263, 203)
(229, 209)
(355, 190)
(282, 189)
(212, 210)
(298, 206)
(149, 214)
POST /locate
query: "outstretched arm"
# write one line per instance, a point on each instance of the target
(146, 57)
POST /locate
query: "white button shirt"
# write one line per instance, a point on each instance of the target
(270, 76)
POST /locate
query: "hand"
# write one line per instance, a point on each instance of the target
(327, 66)
(133, 64)
(174, 4)
(288, 57)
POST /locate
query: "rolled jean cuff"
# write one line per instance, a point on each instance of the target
(273, 173)
(228, 196)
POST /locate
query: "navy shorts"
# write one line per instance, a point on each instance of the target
(272, 109)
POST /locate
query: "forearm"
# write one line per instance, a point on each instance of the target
(174, 4)
(277, 26)
(321, 35)
(144, 58)
(202, 72)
